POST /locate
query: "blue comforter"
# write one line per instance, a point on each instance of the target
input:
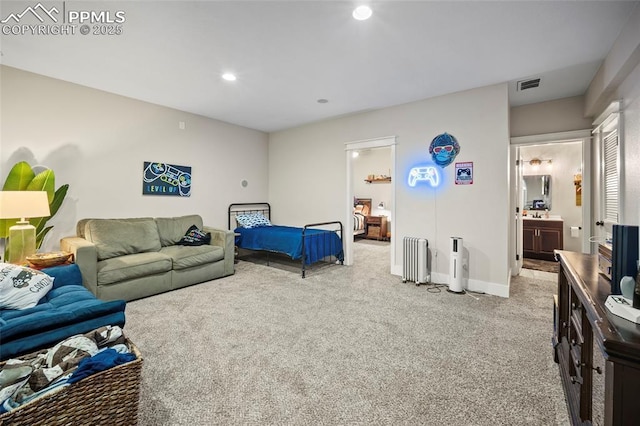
(288, 240)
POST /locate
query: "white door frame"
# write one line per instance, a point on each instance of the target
(515, 263)
(583, 136)
(389, 141)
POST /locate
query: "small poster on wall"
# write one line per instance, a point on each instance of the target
(166, 179)
(464, 173)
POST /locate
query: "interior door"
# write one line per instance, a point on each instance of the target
(519, 197)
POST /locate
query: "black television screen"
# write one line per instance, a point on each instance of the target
(624, 255)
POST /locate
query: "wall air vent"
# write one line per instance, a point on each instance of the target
(528, 84)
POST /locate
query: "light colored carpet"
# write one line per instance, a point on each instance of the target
(345, 346)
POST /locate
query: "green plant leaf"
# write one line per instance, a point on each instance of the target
(58, 198)
(44, 181)
(40, 236)
(23, 178)
(5, 224)
(19, 177)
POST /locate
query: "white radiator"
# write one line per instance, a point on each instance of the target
(414, 260)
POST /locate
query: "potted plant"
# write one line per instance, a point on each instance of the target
(22, 177)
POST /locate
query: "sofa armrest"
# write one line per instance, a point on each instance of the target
(86, 257)
(225, 239)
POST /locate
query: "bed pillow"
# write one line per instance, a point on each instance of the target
(252, 220)
(195, 237)
(22, 287)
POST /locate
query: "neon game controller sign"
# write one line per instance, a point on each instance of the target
(424, 174)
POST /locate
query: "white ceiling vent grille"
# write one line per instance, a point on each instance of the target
(528, 84)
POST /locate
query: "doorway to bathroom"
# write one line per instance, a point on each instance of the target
(552, 191)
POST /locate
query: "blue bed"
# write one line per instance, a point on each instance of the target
(317, 241)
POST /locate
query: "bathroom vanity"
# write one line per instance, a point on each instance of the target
(540, 237)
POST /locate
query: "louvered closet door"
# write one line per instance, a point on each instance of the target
(611, 177)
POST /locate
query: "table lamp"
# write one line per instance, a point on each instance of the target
(22, 235)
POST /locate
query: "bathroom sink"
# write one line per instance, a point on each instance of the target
(551, 217)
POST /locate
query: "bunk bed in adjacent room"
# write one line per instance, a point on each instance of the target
(361, 209)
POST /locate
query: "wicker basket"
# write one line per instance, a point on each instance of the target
(107, 398)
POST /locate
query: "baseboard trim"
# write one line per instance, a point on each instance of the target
(477, 286)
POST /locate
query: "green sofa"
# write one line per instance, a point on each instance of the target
(138, 257)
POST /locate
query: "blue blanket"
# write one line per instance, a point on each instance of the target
(288, 240)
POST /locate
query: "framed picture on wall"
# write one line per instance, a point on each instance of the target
(166, 179)
(464, 173)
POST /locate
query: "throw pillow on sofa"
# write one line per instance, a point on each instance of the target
(22, 287)
(195, 237)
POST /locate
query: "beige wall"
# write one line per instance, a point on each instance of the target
(619, 79)
(307, 175)
(555, 116)
(621, 60)
(97, 143)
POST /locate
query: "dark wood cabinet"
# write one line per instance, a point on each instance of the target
(376, 227)
(598, 353)
(541, 237)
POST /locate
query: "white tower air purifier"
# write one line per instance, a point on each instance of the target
(455, 266)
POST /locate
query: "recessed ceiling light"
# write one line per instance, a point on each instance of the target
(322, 101)
(362, 12)
(228, 76)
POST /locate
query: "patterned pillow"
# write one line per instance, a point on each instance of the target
(252, 220)
(195, 237)
(22, 287)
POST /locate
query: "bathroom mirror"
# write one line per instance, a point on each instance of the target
(537, 192)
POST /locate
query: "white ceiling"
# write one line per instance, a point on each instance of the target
(287, 54)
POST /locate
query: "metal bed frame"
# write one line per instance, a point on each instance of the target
(265, 208)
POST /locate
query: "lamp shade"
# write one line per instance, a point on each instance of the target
(23, 204)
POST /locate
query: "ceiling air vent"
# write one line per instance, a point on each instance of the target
(528, 84)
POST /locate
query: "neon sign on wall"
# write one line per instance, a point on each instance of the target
(424, 174)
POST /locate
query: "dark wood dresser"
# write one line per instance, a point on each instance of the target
(598, 353)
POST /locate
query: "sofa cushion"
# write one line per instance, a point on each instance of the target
(82, 223)
(22, 287)
(113, 237)
(184, 257)
(172, 229)
(64, 305)
(132, 266)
